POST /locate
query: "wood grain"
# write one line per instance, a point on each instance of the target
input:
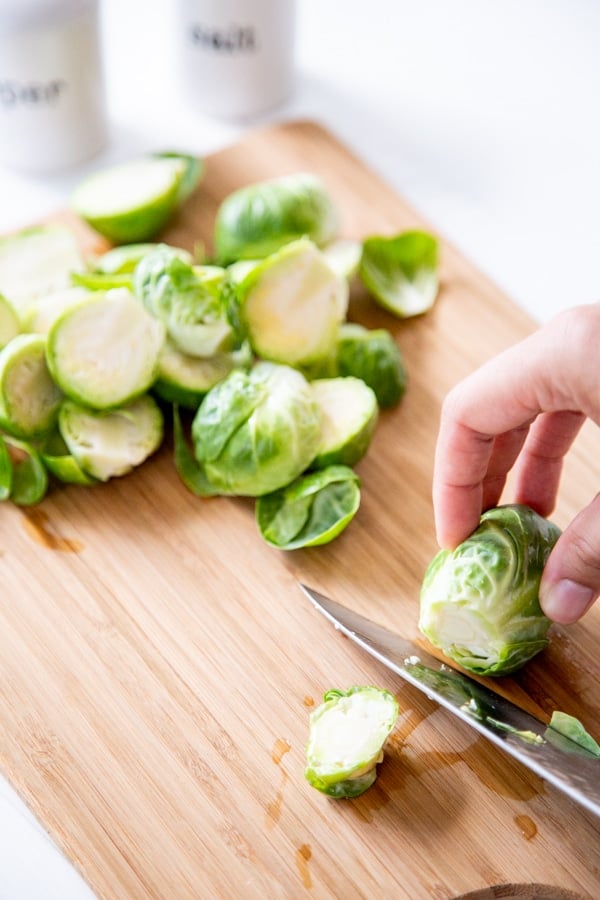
(158, 662)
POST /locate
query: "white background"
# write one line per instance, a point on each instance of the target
(485, 116)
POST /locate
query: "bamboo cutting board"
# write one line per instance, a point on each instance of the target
(158, 663)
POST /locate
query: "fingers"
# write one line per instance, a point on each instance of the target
(571, 579)
(487, 421)
(539, 468)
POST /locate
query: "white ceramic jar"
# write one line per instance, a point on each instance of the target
(52, 113)
(236, 56)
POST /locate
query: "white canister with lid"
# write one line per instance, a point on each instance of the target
(52, 113)
(236, 56)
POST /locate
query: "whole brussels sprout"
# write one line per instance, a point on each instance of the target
(258, 219)
(256, 431)
(479, 603)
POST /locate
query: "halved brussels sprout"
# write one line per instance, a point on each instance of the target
(256, 431)
(130, 202)
(43, 312)
(346, 739)
(292, 304)
(258, 219)
(479, 602)
(311, 510)
(401, 272)
(109, 443)
(29, 398)
(35, 262)
(190, 305)
(104, 350)
(349, 415)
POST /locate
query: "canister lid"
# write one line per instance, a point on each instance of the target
(25, 14)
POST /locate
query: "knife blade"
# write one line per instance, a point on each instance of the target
(571, 768)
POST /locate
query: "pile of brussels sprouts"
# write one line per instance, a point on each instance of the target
(252, 347)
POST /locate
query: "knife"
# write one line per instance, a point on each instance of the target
(568, 766)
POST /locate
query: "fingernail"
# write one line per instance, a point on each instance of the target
(566, 601)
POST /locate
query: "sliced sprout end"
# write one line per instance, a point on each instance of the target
(347, 734)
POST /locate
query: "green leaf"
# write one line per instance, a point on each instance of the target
(30, 479)
(401, 271)
(312, 510)
(572, 729)
(6, 470)
(189, 470)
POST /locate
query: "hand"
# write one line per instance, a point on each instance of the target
(524, 408)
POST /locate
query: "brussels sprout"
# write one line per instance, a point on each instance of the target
(346, 739)
(9, 322)
(348, 418)
(185, 379)
(104, 350)
(109, 443)
(22, 474)
(292, 305)
(479, 603)
(374, 356)
(190, 306)
(571, 728)
(35, 262)
(258, 219)
(29, 398)
(312, 510)
(130, 202)
(401, 272)
(256, 431)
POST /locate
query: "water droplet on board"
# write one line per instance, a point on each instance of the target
(280, 748)
(303, 855)
(35, 522)
(526, 826)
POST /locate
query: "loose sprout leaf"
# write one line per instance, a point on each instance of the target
(123, 260)
(347, 733)
(258, 219)
(29, 478)
(6, 471)
(188, 468)
(479, 603)
(99, 281)
(401, 272)
(312, 510)
(571, 728)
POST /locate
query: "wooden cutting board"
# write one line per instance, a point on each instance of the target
(158, 662)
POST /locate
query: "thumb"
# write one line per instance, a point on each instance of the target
(571, 579)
